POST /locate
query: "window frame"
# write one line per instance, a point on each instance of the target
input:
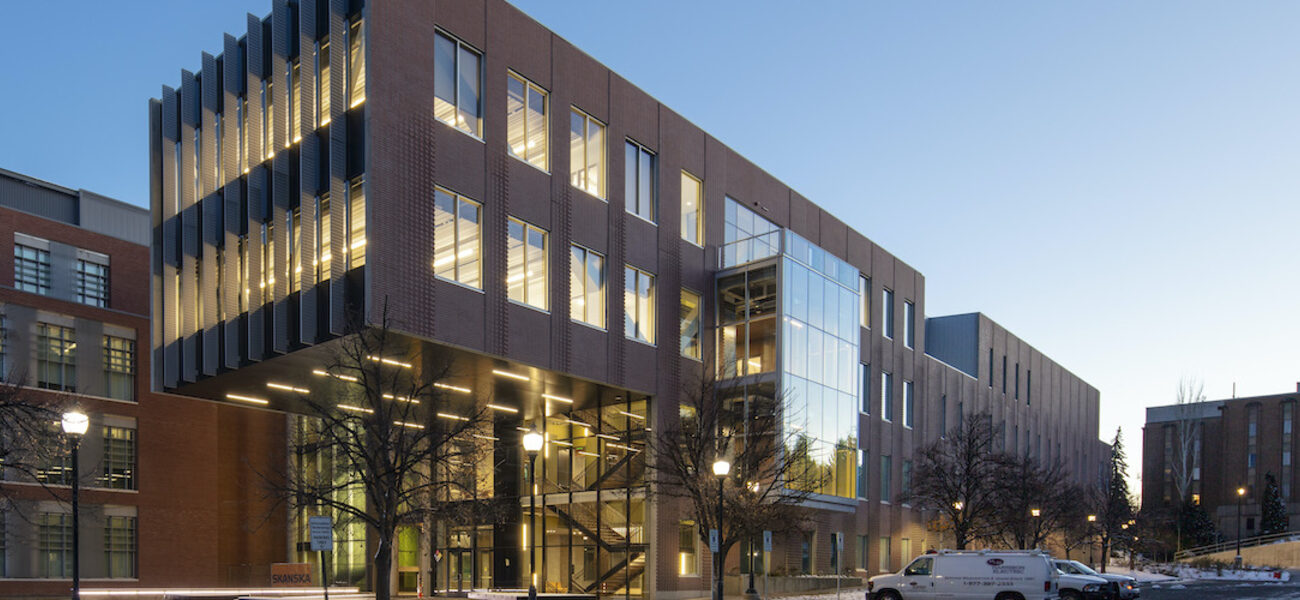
(130, 451)
(456, 278)
(527, 250)
(65, 366)
(602, 193)
(909, 324)
(697, 338)
(699, 209)
(587, 254)
(909, 397)
(119, 360)
(633, 178)
(460, 44)
(887, 313)
(38, 265)
(530, 85)
(87, 263)
(635, 319)
(886, 396)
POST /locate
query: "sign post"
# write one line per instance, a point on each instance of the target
(767, 551)
(838, 552)
(322, 540)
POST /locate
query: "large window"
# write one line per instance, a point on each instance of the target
(907, 403)
(864, 293)
(92, 278)
(688, 550)
(457, 243)
(884, 555)
(295, 103)
(887, 395)
(909, 324)
(747, 236)
(526, 270)
(587, 286)
(323, 251)
(639, 181)
(323, 82)
(887, 316)
(526, 124)
(865, 394)
(886, 468)
(356, 223)
(863, 482)
(119, 458)
(638, 304)
(356, 63)
(586, 153)
(119, 547)
(32, 269)
(119, 368)
(690, 327)
(54, 545)
(56, 357)
(457, 84)
(692, 209)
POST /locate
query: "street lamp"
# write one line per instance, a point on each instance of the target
(1036, 513)
(1241, 497)
(532, 445)
(1091, 519)
(720, 468)
(75, 424)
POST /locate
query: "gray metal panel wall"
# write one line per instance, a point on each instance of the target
(338, 163)
(955, 340)
(113, 218)
(38, 200)
(232, 85)
(308, 151)
(280, 172)
(170, 235)
(256, 189)
(210, 222)
(156, 336)
(189, 228)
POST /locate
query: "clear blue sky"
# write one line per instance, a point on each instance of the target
(1115, 182)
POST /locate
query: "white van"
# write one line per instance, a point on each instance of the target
(970, 575)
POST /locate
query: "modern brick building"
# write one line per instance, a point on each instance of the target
(496, 188)
(1234, 443)
(166, 496)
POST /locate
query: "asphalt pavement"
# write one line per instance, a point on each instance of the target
(1216, 590)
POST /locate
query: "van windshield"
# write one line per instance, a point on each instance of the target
(1082, 568)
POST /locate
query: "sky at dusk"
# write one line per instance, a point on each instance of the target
(1115, 182)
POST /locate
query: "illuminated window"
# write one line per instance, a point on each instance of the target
(295, 104)
(267, 151)
(243, 273)
(92, 278)
(322, 257)
(692, 209)
(268, 263)
(587, 286)
(293, 268)
(639, 181)
(119, 458)
(356, 63)
(54, 545)
(688, 550)
(32, 268)
(323, 82)
(241, 124)
(457, 240)
(586, 153)
(119, 368)
(526, 259)
(690, 326)
(457, 83)
(356, 223)
(120, 547)
(56, 357)
(638, 304)
(526, 122)
(218, 175)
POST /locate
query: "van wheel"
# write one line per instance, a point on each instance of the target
(1071, 595)
(1009, 596)
(889, 595)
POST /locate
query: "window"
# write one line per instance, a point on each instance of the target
(887, 395)
(4, 359)
(295, 103)
(32, 268)
(990, 368)
(54, 545)
(1252, 444)
(526, 268)
(241, 132)
(457, 84)
(943, 416)
(865, 370)
(323, 82)
(322, 257)
(587, 153)
(119, 547)
(1029, 386)
(864, 293)
(526, 121)
(888, 316)
(356, 63)
(639, 181)
(119, 368)
(356, 223)
(906, 483)
(907, 403)
(638, 304)
(456, 239)
(692, 209)
(587, 286)
(837, 542)
(119, 458)
(690, 326)
(909, 324)
(56, 357)
(1288, 426)
(863, 455)
(92, 278)
(688, 552)
(293, 268)
(884, 555)
(886, 466)
(862, 552)
(268, 114)
(1004, 373)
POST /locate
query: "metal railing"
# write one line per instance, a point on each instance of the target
(1262, 540)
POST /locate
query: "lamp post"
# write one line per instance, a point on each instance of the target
(1091, 519)
(75, 424)
(720, 468)
(1036, 514)
(1241, 497)
(533, 441)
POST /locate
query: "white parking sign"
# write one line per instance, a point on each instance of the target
(322, 534)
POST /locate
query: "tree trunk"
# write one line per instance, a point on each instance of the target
(384, 567)
(1105, 553)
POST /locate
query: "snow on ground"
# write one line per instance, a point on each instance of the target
(856, 593)
(1185, 573)
(1138, 574)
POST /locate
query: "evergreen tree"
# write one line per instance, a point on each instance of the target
(1115, 506)
(1197, 527)
(1274, 519)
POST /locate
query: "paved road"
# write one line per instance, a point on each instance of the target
(1233, 590)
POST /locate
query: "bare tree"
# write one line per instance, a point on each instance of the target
(384, 442)
(1036, 501)
(772, 471)
(1191, 392)
(956, 476)
(30, 439)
